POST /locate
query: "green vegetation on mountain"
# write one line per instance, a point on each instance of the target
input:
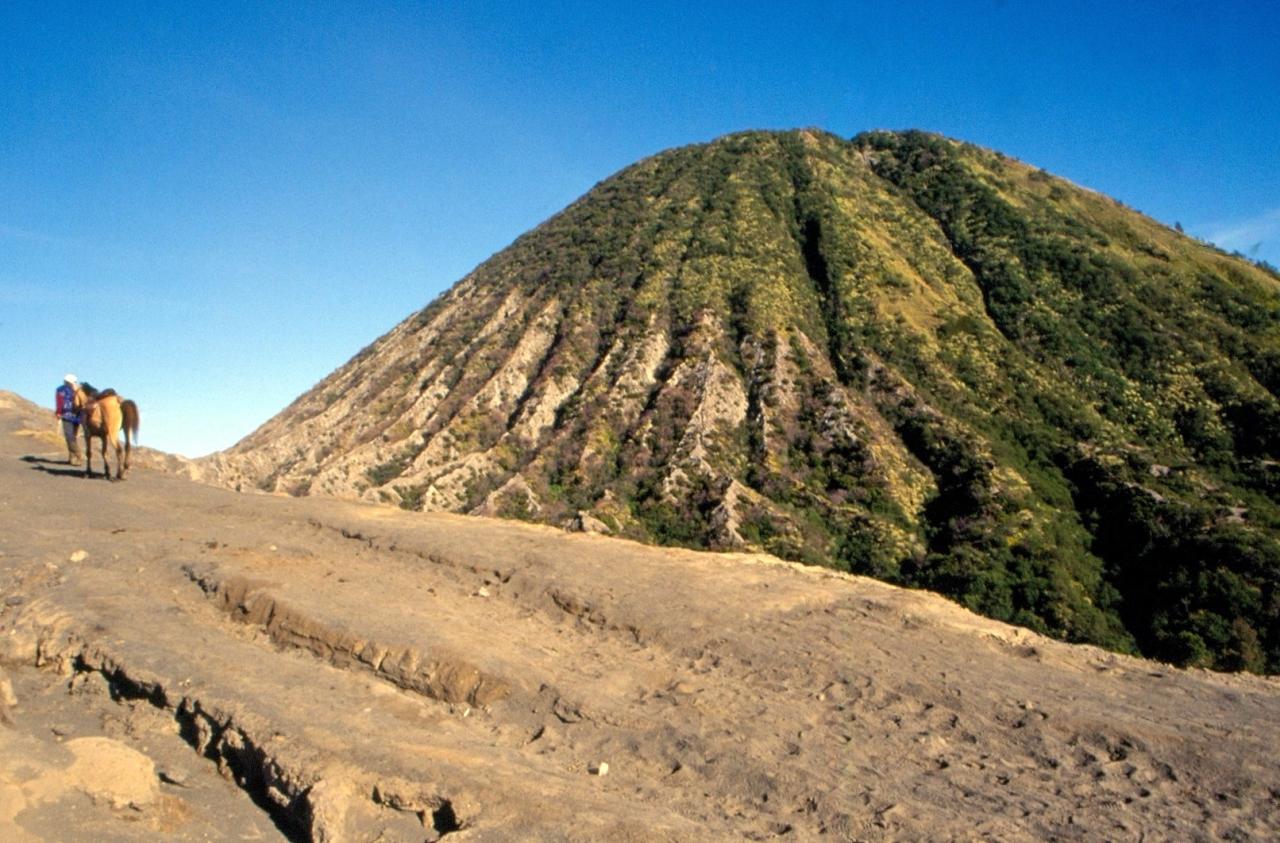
(897, 355)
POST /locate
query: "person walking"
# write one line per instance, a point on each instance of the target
(65, 410)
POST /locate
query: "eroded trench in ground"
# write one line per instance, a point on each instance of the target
(438, 677)
(294, 799)
(292, 789)
(299, 800)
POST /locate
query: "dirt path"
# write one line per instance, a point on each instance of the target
(357, 671)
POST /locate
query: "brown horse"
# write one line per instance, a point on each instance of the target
(103, 415)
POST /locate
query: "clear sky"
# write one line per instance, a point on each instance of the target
(210, 206)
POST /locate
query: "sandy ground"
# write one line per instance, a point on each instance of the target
(183, 662)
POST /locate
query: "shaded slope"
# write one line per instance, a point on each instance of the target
(898, 355)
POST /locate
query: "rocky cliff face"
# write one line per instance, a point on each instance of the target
(897, 354)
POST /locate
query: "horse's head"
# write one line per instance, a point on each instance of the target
(85, 394)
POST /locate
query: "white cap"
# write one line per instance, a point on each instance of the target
(71, 379)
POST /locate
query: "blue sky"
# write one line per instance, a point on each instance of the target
(210, 206)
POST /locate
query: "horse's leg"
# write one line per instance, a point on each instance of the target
(115, 442)
(128, 449)
(88, 451)
(106, 466)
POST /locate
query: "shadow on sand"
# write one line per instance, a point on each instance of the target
(59, 468)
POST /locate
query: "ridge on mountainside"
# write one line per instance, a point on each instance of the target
(898, 355)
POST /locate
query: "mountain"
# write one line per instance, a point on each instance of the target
(897, 355)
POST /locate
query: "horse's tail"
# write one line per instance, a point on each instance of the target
(131, 418)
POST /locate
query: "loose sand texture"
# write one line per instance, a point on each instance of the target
(184, 662)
